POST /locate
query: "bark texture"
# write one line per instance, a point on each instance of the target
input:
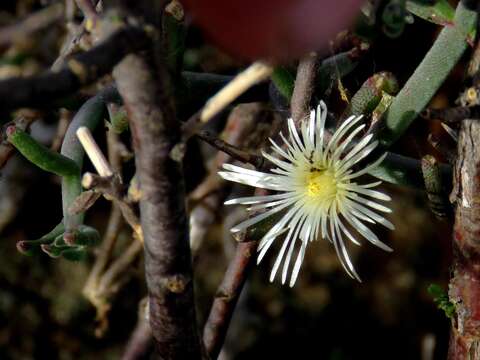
(464, 290)
(144, 88)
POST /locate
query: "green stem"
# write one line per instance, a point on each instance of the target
(429, 75)
(30, 247)
(40, 155)
(284, 81)
(89, 115)
(401, 170)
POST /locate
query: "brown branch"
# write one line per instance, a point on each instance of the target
(464, 289)
(144, 89)
(304, 87)
(83, 69)
(215, 329)
(226, 298)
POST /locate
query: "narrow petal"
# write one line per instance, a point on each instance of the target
(345, 230)
(340, 247)
(372, 215)
(365, 232)
(280, 163)
(339, 150)
(360, 145)
(257, 199)
(298, 263)
(297, 143)
(366, 169)
(293, 225)
(252, 221)
(272, 204)
(372, 193)
(280, 151)
(372, 204)
(286, 263)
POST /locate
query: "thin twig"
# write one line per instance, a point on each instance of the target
(91, 289)
(94, 153)
(64, 121)
(233, 151)
(112, 188)
(83, 69)
(118, 267)
(243, 121)
(254, 74)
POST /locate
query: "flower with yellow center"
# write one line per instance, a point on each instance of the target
(316, 192)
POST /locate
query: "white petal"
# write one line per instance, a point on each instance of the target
(360, 145)
(280, 151)
(252, 221)
(279, 228)
(267, 181)
(370, 203)
(374, 216)
(339, 150)
(247, 200)
(270, 204)
(311, 129)
(298, 263)
(367, 168)
(340, 247)
(286, 263)
(365, 232)
(296, 142)
(341, 131)
(280, 163)
(345, 231)
(347, 164)
(293, 225)
(372, 193)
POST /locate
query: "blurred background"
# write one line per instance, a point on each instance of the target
(391, 315)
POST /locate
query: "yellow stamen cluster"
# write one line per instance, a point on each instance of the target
(321, 185)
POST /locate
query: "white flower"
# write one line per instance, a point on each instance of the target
(316, 191)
